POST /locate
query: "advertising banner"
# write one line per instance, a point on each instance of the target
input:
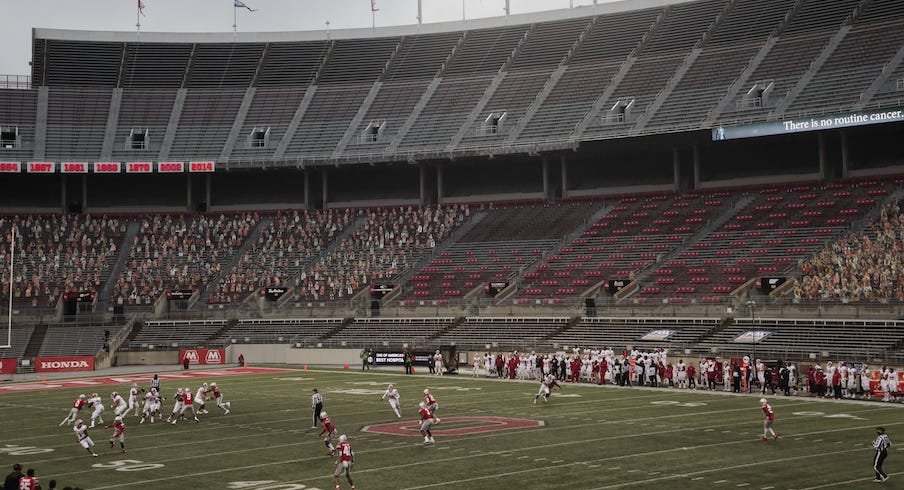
(807, 123)
(203, 356)
(64, 364)
(8, 365)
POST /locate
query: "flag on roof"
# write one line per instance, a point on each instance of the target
(239, 4)
(373, 6)
(140, 7)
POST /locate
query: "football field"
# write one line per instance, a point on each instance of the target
(491, 436)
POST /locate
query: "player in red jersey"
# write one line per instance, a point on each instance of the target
(218, 396)
(77, 406)
(187, 404)
(429, 401)
(427, 421)
(30, 481)
(769, 415)
(119, 433)
(329, 428)
(344, 464)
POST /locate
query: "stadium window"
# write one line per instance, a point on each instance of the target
(9, 137)
(259, 138)
(493, 122)
(373, 131)
(138, 139)
(758, 95)
(620, 112)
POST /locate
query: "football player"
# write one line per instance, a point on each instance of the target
(427, 421)
(187, 404)
(201, 398)
(393, 395)
(546, 386)
(769, 419)
(81, 434)
(177, 406)
(329, 428)
(119, 405)
(218, 396)
(344, 464)
(98, 404)
(119, 433)
(73, 412)
(151, 406)
(429, 401)
(133, 398)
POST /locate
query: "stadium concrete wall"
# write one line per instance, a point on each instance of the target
(286, 354)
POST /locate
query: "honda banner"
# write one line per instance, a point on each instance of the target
(203, 356)
(64, 364)
(8, 365)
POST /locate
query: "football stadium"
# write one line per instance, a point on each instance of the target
(626, 244)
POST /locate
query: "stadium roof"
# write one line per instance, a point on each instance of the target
(403, 30)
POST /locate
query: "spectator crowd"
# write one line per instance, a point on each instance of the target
(56, 254)
(861, 266)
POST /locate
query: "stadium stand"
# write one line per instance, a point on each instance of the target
(277, 331)
(862, 266)
(57, 254)
(386, 245)
(74, 341)
(179, 252)
(419, 103)
(284, 247)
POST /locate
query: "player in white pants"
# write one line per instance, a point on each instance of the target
(119, 404)
(151, 406)
(98, 403)
(133, 398)
(201, 399)
(392, 394)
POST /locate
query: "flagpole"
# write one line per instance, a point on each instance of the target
(235, 25)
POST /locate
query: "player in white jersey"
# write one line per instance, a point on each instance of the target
(97, 403)
(201, 398)
(81, 434)
(476, 366)
(119, 404)
(546, 386)
(178, 404)
(392, 394)
(438, 360)
(489, 363)
(151, 406)
(133, 398)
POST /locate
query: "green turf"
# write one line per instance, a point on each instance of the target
(593, 438)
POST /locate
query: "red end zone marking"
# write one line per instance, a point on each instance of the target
(135, 378)
(490, 424)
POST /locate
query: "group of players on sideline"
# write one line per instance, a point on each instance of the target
(656, 369)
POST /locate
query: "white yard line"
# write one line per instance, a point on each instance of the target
(848, 482)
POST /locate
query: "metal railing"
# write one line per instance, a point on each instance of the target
(15, 82)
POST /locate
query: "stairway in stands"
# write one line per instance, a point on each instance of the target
(34, 343)
(121, 259)
(236, 256)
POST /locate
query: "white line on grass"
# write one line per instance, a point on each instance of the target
(848, 482)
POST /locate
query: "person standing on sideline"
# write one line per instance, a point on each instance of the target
(769, 415)
(29, 481)
(12, 480)
(316, 407)
(882, 443)
(406, 358)
(365, 359)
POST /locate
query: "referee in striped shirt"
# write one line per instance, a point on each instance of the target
(882, 443)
